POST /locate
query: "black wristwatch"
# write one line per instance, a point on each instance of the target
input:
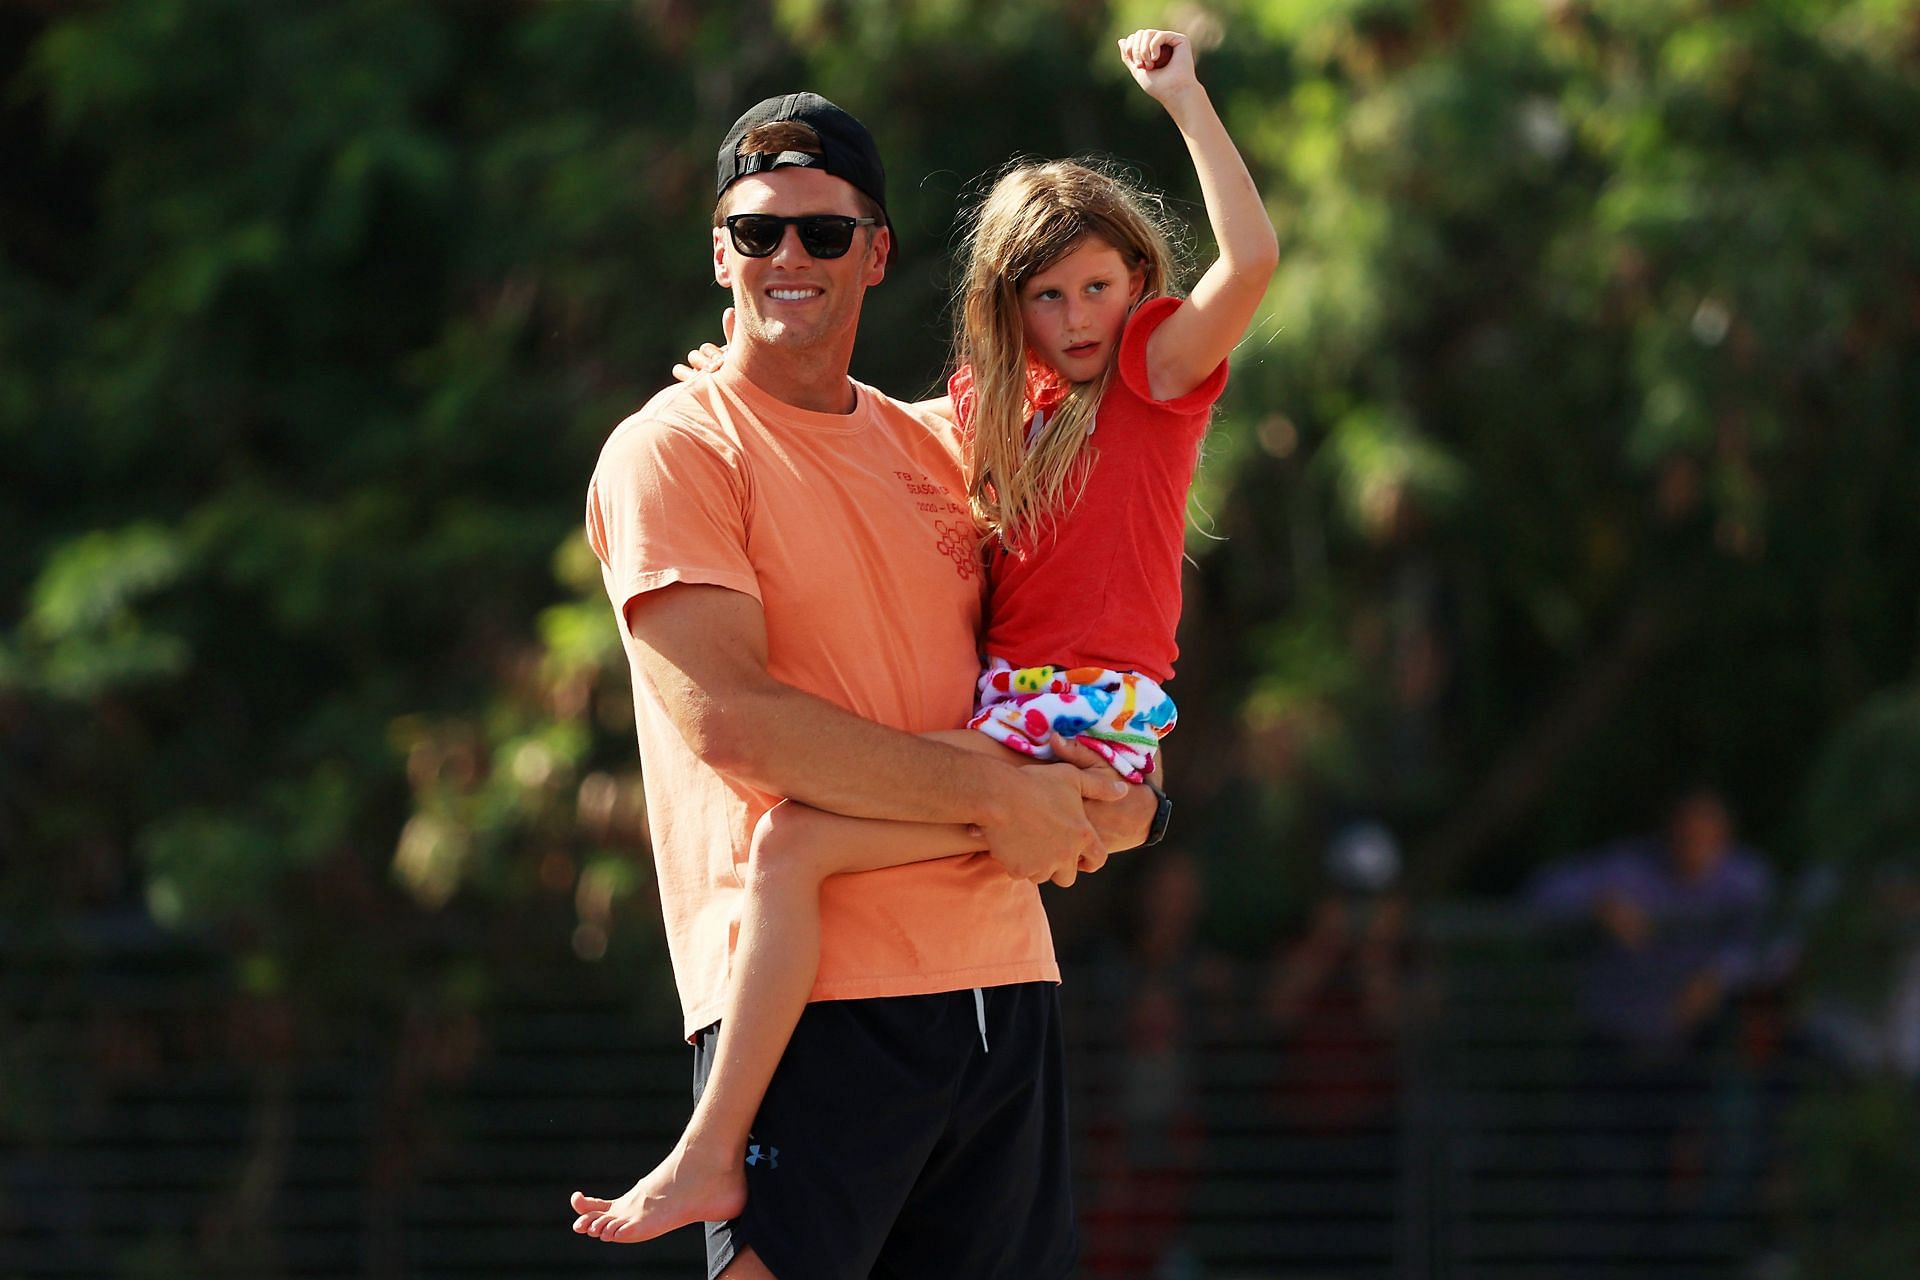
(1161, 816)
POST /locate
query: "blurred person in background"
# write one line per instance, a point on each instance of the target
(1146, 1124)
(1342, 997)
(1678, 922)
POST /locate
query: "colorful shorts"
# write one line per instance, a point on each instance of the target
(1119, 714)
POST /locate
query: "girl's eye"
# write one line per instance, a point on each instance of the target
(1096, 286)
(1047, 295)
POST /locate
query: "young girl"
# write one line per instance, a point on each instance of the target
(1083, 389)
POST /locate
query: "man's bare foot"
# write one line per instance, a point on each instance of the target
(679, 1191)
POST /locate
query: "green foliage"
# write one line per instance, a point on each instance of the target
(1863, 825)
(1568, 458)
(1593, 321)
(82, 635)
(1863, 809)
(1571, 458)
(1852, 1149)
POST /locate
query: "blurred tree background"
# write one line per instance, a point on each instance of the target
(1572, 460)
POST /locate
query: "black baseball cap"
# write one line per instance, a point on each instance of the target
(847, 149)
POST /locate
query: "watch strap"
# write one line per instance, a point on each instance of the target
(1162, 815)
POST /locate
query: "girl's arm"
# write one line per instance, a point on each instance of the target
(1197, 337)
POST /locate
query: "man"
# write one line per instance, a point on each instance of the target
(795, 569)
(1679, 921)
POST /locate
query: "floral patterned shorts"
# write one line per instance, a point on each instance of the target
(1122, 715)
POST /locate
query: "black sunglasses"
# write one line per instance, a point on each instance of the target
(824, 235)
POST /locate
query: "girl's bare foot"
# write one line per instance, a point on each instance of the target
(679, 1191)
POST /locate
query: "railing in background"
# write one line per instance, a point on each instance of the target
(157, 1126)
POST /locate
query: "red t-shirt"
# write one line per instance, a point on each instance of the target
(1101, 587)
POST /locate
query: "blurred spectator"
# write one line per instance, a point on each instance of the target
(1680, 919)
(1342, 998)
(1147, 1133)
(1338, 993)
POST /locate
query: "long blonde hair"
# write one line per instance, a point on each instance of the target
(1033, 216)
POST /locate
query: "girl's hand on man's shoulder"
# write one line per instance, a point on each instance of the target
(707, 357)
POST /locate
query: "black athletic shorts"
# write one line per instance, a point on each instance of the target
(899, 1142)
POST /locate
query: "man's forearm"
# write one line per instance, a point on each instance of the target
(702, 653)
(803, 747)
(791, 743)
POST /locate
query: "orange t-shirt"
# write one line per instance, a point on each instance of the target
(852, 533)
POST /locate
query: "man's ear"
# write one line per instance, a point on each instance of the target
(722, 273)
(877, 254)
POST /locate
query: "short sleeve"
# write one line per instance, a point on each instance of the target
(668, 505)
(1147, 317)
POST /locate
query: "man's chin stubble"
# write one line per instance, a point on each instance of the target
(787, 337)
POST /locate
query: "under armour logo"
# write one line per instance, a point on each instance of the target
(771, 1156)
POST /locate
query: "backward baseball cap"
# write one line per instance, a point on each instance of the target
(847, 150)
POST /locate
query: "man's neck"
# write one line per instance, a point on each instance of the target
(810, 380)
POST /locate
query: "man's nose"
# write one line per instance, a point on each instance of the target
(790, 251)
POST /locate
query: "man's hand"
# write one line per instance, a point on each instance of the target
(1121, 823)
(1626, 921)
(1699, 1000)
(1043, 832)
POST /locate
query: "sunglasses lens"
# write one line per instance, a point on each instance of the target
(754, 235)
(826, 237)
(758, 235)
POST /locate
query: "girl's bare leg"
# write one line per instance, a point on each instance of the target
(794, 850)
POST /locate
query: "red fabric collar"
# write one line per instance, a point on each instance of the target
(1047, 390)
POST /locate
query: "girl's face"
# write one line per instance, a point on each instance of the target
(1075, 308)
